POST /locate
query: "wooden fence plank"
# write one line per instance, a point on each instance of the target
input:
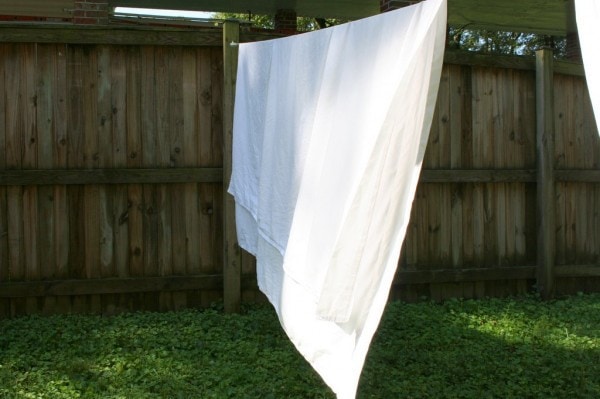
(462, 275)
(28, 130)
(149, 157)
(177, 154)
(134, 216)
(191, 151)
(119, 111)
(545, 186)
(232, 255)
(60, 138)
(4, 259)
(111, 176)
(91, 193)
(216, 191)
(45, 86)
(106, 262)
(115, 35)
(163, 152)
(4, 227)
(457, 92)
(105, 286)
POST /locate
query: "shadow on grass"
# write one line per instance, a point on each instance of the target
(470, 349)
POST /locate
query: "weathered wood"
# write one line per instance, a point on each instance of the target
(109, 286)
(191, 151)
(464, 275)
(163, 67)
(477, 175)
(109, 176)
(45, 91)
(546, 225)
(577, 175)
(14, 33)
(132, 35)
(232, 262)
(577, 271)
(28, 177)
(118, 117)
(485, 60)
(509, 62)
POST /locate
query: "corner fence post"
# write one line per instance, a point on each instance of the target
(546, 197)
(232, 255)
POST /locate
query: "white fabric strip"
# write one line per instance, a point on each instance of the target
(330, 129)
(587, 13)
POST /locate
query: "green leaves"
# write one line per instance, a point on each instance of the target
(512, 348)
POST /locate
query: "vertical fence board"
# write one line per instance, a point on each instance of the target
(177, 151)
(45, 68)
(4, 263)
(232, 254)
(118, 111)
(75, 159)
(163, 151)
(60, 140)
(545, 172)
(28, 131)
(191, 137)
(92, 80)
(217, 123)
(149, 132)
(106, 262)
(134, 217)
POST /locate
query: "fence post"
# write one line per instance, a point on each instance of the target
(546, 199)
(232, 255)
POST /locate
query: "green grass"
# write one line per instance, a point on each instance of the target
(512, 348)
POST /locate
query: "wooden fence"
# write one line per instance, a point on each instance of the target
(112, 163)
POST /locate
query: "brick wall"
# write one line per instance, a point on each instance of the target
(286, 22)
(90, 12)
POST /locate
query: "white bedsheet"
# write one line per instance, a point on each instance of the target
(587, 13)
(330, 128)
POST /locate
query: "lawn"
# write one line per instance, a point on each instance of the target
(510, 348)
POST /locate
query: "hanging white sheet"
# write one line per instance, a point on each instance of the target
(330, 128)
(587, 13)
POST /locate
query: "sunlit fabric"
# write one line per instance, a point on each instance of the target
(330, 128)
(588, 25)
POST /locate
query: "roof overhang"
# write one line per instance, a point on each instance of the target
(540, 16)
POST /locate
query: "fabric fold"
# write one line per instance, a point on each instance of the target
(330, 129)
(587, 13)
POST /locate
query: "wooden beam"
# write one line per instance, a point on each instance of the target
(37, 177)
(69, 34)
(109, 176)
(578, 271)
(109, 286)
(461, 57)
(232, 255)
(578, 175)
(477, 175)
(463, 275)
(546, 226)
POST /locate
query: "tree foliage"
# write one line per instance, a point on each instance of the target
(499, 42)
(305, 24)
(477, 40)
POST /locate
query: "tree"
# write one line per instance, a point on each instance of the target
(305, 24)
(499, 42)
(476, 40)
